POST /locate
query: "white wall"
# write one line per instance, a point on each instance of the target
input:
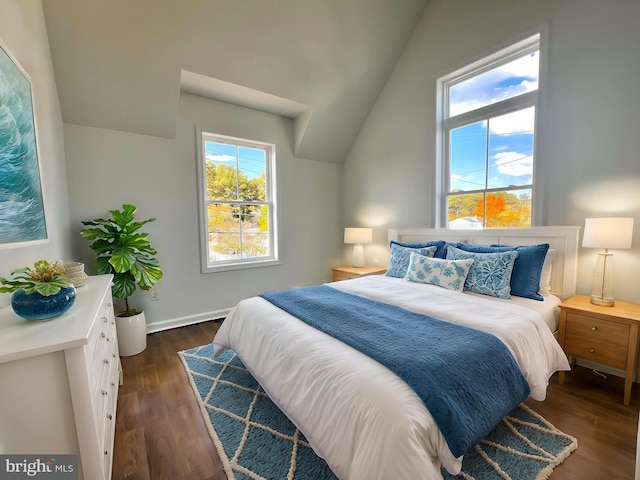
(107, 168)
(590, 117)
(23, 33)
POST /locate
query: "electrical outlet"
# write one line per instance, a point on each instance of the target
(153, 293)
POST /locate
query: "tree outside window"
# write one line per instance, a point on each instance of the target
(238, 200)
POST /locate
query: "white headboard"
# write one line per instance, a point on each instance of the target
(563, 239)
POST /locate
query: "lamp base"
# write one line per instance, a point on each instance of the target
(358, 256)
(602, 287)
(603, 302)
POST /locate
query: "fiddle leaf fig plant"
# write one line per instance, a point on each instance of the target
(122, 250)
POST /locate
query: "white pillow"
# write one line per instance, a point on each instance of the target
(545, 276)
(449, 274)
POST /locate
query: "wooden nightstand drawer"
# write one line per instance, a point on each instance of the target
(606, 335)
(599, 330)
(601, 352)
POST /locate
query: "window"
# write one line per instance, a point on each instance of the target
(486, 129)
(237, 203)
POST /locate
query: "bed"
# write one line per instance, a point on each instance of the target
(359, 415)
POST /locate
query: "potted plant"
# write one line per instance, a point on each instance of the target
(41, 292)
(126, 253)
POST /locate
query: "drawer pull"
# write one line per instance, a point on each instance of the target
(102, 335)
(108, 304)
(113, 384)
(104, 392)
(105, 319)
(106, 360)
(593, 329)
(592, 350)
(109, 416)
(106, 452)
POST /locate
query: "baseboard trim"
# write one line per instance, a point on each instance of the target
(188, 320)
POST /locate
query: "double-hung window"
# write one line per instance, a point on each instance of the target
(237, 203)
(487, 127)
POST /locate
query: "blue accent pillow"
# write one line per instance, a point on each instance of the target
(399, 259)
(525, 278)
(490, 273)
(441, 246)
(449, 274)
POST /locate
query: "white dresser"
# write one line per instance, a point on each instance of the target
(59, 381)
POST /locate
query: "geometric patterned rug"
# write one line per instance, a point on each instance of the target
(255, 440)
(524, 446)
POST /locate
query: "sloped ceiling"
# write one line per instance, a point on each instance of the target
(121, 64)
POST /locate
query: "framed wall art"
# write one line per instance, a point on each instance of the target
(22, 216)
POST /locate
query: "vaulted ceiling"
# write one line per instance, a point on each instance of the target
(121, 64)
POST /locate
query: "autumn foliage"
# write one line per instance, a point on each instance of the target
(501, 209)
(238, 224)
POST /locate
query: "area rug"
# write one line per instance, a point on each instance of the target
(255, 440)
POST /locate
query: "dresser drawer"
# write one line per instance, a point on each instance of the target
(108, 414)
(596, 329)
(601, 352)
(94, 339)
(106, 398)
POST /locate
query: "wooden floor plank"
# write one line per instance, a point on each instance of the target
(160, 433)
(132, 456)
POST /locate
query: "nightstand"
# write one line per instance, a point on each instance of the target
(606, 335)
(346, 273)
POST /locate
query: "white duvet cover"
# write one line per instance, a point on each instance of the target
(359, 416)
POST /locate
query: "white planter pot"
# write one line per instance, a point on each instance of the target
(132, 334)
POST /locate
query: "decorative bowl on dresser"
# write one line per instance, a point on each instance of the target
(60, 382)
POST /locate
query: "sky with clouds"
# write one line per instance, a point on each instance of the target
(506, 140)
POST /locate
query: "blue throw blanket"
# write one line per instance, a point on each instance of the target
(467, 378)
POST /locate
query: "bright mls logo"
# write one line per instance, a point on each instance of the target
(50, 467)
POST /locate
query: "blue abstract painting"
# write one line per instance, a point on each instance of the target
(21, 205)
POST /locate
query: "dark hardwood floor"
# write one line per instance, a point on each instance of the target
(160, 433)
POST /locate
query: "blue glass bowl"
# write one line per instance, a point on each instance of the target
(34, 306)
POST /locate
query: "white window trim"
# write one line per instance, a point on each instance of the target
(502, 54)
(273, 259)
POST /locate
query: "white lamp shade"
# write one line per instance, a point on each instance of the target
(610, 232)
(358, 235)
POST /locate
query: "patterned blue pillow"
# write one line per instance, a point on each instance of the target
(399, 259)
(449, 274)
(525, 278)
(441, 246)
(490, 273)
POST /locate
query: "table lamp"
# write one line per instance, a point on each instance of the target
(606, 233)
(358, 237)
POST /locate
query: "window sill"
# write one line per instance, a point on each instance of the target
(240, 266)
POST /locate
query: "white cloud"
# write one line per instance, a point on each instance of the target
(517, 122)
(221, 158)
(514, 164)
(526, 66)
(485, 89)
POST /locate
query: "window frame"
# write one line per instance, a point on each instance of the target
(534, 40)
(206, 266)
